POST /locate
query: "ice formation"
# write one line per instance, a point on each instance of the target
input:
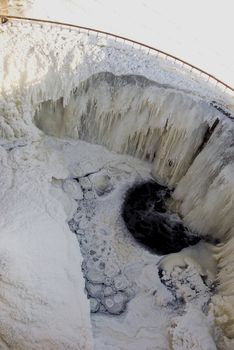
(130, 114)
(72, 86)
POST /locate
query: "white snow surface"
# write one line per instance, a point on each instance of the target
(42, 300)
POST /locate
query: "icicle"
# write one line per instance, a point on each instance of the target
(206, 192)
(113, 118)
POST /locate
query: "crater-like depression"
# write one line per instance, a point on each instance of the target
(169, 210)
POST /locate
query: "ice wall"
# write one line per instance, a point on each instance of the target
(53, 79)
(46, 63)
(131, 114)
(206, 191)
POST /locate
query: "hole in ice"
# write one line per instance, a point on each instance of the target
(148, 220)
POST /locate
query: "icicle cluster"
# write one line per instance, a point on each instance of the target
(135, 116)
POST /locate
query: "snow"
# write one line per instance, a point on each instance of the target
(43, 305)
(198, 256)
(163, 119)
(41, 274)
(198, 32)
(192, 332)
(130, 115)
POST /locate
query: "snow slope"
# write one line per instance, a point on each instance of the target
(42, 300)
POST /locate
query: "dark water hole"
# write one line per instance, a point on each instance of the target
(150, 222)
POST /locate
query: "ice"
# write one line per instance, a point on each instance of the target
(183, 338)
(136, 116)
(198, 256)
(73, 188)
(102, 183)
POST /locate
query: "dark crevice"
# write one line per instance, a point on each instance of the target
(207, 136)
(209, 132)
(87, 175)
(221, 109)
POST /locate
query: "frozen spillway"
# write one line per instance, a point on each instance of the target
(78, 86)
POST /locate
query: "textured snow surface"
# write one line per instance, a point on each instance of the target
(42, 300)
(60, 81)
(42, 291)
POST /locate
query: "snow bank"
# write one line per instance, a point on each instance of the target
(42, 300)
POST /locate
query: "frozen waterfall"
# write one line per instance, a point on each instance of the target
(76, 87)
(130, 114)
(169, 128)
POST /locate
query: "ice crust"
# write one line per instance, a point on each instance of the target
(72, 85)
